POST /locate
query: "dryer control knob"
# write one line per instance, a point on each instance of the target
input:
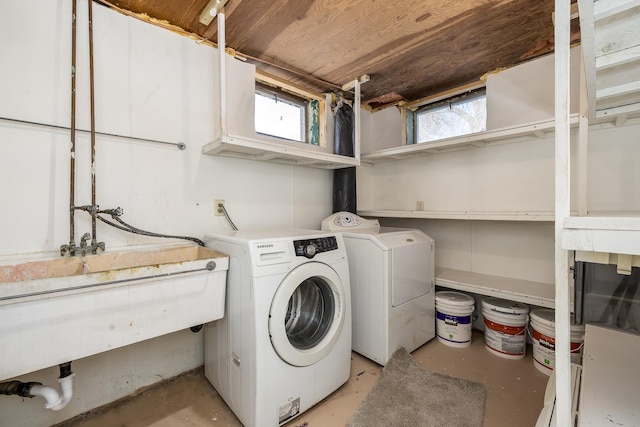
(310, 251)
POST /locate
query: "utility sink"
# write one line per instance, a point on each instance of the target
(54, 310)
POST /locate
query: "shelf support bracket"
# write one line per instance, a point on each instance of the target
(562, 211)
(355, 84)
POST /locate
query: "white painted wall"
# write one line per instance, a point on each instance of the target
(150, 83)
(613, 170)
(525, 93)
(380, 130)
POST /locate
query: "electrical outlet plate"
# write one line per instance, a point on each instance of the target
(216, 207)
(420, 205)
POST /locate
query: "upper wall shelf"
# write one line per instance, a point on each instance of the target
(481, 139)
(462, 215)
(253, 149)
(238, 137)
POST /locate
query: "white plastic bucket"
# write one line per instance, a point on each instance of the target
(543, 329)
(505, 332)
(453, 318)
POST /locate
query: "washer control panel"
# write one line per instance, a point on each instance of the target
(310, 247)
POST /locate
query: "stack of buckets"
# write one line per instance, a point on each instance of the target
(453, 318)
(505, 332)
(544, 343)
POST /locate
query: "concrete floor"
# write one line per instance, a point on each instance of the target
(515, 391)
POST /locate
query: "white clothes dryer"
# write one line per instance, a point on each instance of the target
(392, 277)
(284, 342)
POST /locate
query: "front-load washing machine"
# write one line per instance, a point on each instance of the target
(284, 342)
(392, 285)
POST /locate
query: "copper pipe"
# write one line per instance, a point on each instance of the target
(72, 173)
(94, 239)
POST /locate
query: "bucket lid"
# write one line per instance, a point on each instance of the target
(454, 298)
(544, 315)
(504, 306)
(547, 317)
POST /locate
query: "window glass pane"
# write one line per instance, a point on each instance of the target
(279, 117)
(457, 117)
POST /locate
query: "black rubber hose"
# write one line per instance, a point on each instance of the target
(134, 230)
(17, 388)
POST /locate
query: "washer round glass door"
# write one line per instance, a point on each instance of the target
(307, 314)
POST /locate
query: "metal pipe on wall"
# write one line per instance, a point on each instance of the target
(179, 145)
(93, 209)
(94, 240)
(72, 160)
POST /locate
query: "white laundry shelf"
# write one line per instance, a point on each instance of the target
(603, 233)
(269, 151)
(525, 291)
(534, 216)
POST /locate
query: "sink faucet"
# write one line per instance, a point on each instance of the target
(92, 248)
(84, 239)
(83, 243)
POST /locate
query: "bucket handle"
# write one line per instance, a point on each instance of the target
(525, 329)
(530, 334)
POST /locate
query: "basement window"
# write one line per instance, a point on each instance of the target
(283, 114)
(459, 115)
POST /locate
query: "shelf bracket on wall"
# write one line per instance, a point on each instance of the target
(222, 71)
(562, 167)
(210, 11)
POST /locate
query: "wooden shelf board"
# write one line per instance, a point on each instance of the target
(542, 216)
(519, 133)
(525, 291)
(604, 10)
(611, 232)
(614, 220)
(268, 151)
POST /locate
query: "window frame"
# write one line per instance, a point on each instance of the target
(314, 132)
(410, 111)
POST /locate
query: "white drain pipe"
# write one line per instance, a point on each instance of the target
(55, 401)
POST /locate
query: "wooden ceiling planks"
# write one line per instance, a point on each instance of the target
(411, 49)
(184, 14)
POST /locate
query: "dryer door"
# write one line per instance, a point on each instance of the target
(307, 314)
